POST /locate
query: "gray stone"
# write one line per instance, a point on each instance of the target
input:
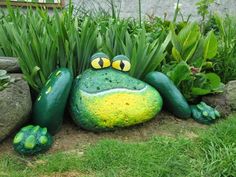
(230, 94)
(225, 102)
(219, 102)
(15, 106)
(9, 64)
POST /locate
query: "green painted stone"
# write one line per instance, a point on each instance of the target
(49, 107)
(204, 114)
(107, 99)
(32, 140)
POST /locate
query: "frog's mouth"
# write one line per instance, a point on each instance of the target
(114, 91)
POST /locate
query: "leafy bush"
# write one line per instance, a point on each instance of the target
(189, 62)
(225, 63)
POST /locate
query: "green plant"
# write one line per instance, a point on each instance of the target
(203, 11)
(189, 63)
(4, 79)
(177, 10)
(45, 42)
(225, 64)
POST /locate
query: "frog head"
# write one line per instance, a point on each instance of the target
(105, 96)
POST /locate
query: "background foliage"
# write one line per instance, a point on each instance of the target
(187, 52)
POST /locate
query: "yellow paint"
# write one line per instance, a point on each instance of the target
(49, 90)
(127, 65)
(30, 142)
(124, 107)
(43, 139)
(58, 73)
(116, 65)
(36, 129)
(106, 62)
(48, 82)
(18, 138)
(27, 128)
(39, 98)
(95, 63)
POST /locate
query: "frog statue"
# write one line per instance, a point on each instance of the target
(104, 98)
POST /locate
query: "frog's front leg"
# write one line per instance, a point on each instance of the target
(175, 102)
(203, 113)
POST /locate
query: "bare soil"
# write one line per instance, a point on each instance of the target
(72, 137)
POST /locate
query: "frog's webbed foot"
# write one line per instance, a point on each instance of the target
(203, 113)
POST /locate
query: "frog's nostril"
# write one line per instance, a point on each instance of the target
(98, 88)
(127, 104)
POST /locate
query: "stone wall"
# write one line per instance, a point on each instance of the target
(129, 8)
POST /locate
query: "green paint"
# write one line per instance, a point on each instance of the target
(48, 111)
(173, 99)
(98, 55)
(106, 79)
(30, 142)
(44, 131)
(120, 57)
(203, 113)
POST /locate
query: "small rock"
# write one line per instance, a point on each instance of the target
(230, 94)
(15, 104)
(224, 102)
(9, 64)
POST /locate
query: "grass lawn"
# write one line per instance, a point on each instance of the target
(211, 153)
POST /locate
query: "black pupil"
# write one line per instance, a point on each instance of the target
(101, 62)
(122, 65)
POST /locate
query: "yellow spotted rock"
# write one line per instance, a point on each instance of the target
(107, 99)
(32, 140)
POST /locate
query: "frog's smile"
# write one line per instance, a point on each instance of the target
(115, 90)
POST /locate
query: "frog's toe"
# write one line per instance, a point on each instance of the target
(203, 113)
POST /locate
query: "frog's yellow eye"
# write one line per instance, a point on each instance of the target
(121, 63)
(100, 60)
(99, 63)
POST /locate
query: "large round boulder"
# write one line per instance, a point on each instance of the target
(15, 104)
(106, 99)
